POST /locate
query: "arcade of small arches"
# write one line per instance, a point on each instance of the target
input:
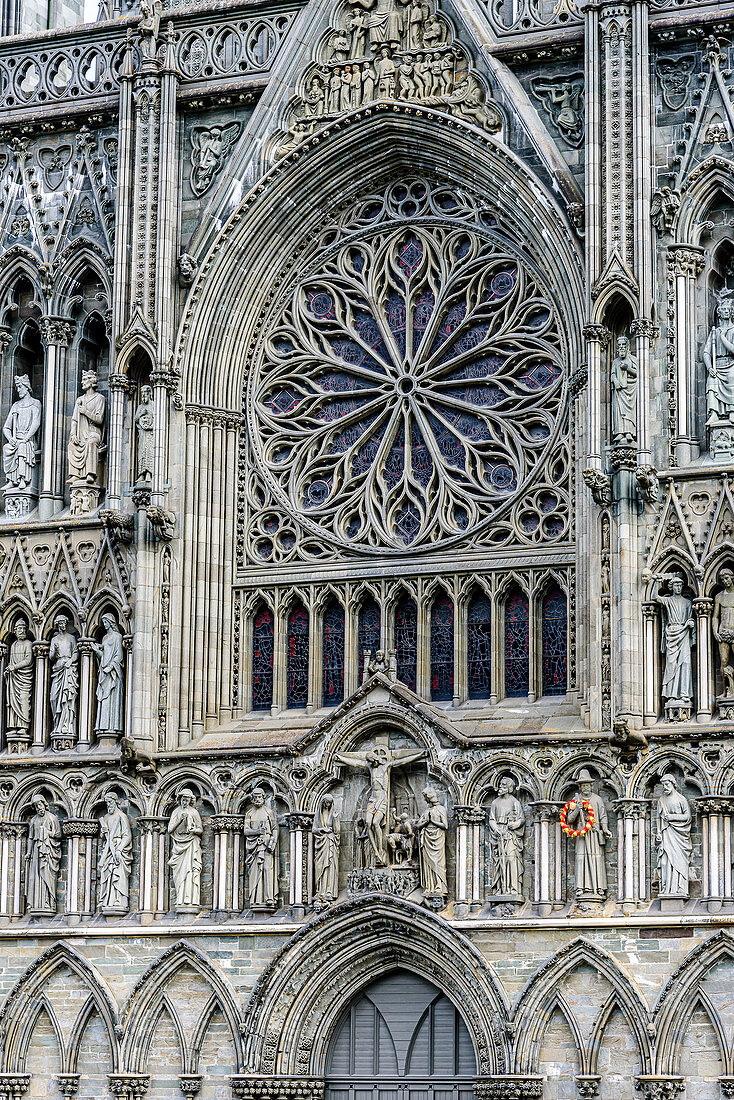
(558, 1029)
(472, 639)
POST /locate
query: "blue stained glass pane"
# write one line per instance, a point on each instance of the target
(406, 642)
(442, 649)
(479, 647)
(517, 637)
(263, 641)
(368, 630)
(333, 655)
(555, 643)
(297, 663)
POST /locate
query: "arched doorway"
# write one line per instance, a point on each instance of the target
(401, 1039)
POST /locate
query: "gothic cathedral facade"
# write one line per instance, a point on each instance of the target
(367, 550)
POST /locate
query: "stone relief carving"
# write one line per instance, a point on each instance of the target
(21, 450)
(86, 446)
(385, 50)
(675, 74)
(623, 379)
(210, 147)
(63, 657)
(144, 426)
(19, 685)
(185, 830)
(325, 831)
(590, 873)
(677, 639)
(379, 762)
(506, 836)
(260, 829)
(110, 682)
(673, 840)
(663, 209)
(600, 485)
(43, 857)
(563, 99)
(115, 858)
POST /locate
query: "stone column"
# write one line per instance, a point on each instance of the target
(643, 331)
(548, 856)
(703, 608)
(226, 829)
(74, 829)
(651, 671)
(86, 709)
(685, 264)
(119, 388)
(597, 338)
(40, 698)
(152, 874)
(68, 1083)
(299, 824)
(57, 334)
(11, 836)
(13, 1086)
(509, 1086)
(129, 1086)
(632, 871)
(659, 1086)
(716, 825)
(469, 820)
(253, 1086)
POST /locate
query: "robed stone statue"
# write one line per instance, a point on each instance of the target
(589, 865)
(185, 830)
(63, 655)
(260, 829)
(506, 836)
(110, 679)
(325, 831)
(678, 636)
(431, 828)
(19, 682)
(20, 451)
(624, 394)
(115, 858)
(43, 856)
(673, 840)
(87, 428)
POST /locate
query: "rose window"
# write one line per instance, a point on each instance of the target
(409, 389)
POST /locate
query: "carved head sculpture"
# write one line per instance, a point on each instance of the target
(22, 385)
(146, 394)
(39, 804)
(186, 797)
(258, 797)
(61, 622)
(430, 796)
(676, 585)
(20, 629)
(378, 755)
(727, 579)
(89, 380)
(109, 623)
(669, 783)
(327, 802)
(623, 347)
(585, 781)
(111, 801)
(506, 785)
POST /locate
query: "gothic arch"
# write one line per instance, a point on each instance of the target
(709, 179)
(680, 997)
(19, 1013)
(142, 1010)
(531, 1012)
(366, 151)
(301, 995)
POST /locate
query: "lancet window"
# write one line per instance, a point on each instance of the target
(442, 649)
(479, 647)
(263, 645)
(333, 655)
(555, 643)
(298, 657)
(517, 644)
(406, 642)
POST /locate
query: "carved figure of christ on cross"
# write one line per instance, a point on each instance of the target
(379, 762)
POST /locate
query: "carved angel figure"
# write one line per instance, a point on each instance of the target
(210, 147)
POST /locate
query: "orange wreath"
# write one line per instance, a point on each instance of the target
(589, 818)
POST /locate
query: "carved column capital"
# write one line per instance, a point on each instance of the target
(644, 326)
(649, 611)
(68, 1083)
(14, 1085)
(685, 259)
(578, 381)
(80, 826)
(655, 1086)
(41, 649)
(57, 330)
(587, 1085)
(469, 815)
(727, 1087)
(120, 383)
(12, 829)
(631, 807)
(257, 1087)
(715, 804)
(509, 1086)
(546, 810)
(226, 823)
(152, 824)
(597, 334)
(129, 1086)
(703, 606)
(190, 1083)
(299, 819)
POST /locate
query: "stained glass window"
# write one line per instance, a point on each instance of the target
(479, 647)
(517, 637)
(297, 667)
(368, 631)
(263, 640)
(406, 642)
(555, 643)
(442, 649)
(333, 655)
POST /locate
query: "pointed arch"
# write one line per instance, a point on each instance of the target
(540, 990)
(140, 1014)
(17, 1016)
(302, 994)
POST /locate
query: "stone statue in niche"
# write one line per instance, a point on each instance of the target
(185, 829)
(379, 762)
(431, 828)
(718, 359)
(149, 26)
(21, 450)
(19, 685)
(506, 838)
(673, 840)
(63, 655)
(115, 858)
(85, 446)
(110, 682)
(723, 627)
(590, 873)
(677, 639)
(325, 831)
(144, 427)
(260, 829)
(43, 857)
(623, 378)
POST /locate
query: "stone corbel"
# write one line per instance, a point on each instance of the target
(727, 1087)
(119, 525)
(600, 485)
(509, 1086)
(14, 1085)
(162, 522)
(654, 1086)
(190, 1083)
(648, 483)
(587, 1085)
(68, 1083)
